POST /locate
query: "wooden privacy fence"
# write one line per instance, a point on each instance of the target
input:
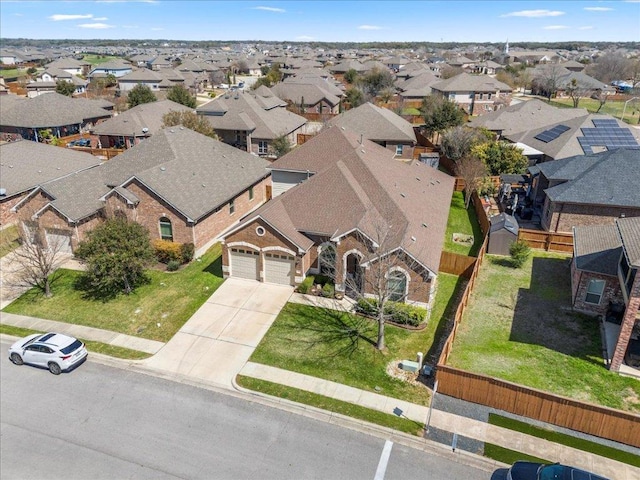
(583, 417)
(304, 137)
(549, 241)
(456, 264)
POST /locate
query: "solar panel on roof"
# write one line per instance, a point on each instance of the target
(607, 133)
(551, 134)
(605, 122)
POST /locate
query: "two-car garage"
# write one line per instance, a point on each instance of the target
(278, 267)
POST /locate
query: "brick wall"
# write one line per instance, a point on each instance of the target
(565, 216)
(579, 284)
(628, 322)
(7, 217)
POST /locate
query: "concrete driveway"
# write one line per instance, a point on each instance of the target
(219, 338)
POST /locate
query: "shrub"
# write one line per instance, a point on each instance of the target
(396, 312)
(306, 284)
(328, 290)
(173, 265)
(323, 280)
(166, 251)
(519, 252)
(187, 250)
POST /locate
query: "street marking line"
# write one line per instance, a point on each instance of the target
(384, 460)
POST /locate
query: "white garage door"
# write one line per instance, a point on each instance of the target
(278, 268)
(59, 241)
(244, 263)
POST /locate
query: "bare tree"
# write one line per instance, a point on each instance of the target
(38, 258)
(472, 171)
(601, 97)
(546, 79)
(457, 141)
(377, 275)
(576, 91)
(610, 67)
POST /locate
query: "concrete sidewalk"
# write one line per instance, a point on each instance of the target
(463, 426)
(86, 333)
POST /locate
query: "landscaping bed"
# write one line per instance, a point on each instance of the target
(519, 326)
(155, 311)
(340, 347)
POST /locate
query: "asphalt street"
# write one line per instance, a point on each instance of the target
(104, 422)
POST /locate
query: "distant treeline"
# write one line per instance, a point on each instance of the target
(27, 42)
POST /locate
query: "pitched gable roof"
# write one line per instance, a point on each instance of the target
(465, 82)
(147, 116)
(597, 248)
(370, 191)
(376, 123)
(629, 230)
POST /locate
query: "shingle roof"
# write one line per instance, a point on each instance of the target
(597, 248)
(244, 111)
(629, 229)
(132, 121)
(311, 94)
(192, 172)
(50, 110)
(364, 189)
(608, 178)
(25, 164)
(375, 123)
(470, 83)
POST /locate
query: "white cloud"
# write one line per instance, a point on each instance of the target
(96, 26)
(270, 9)
(369, 27)
(598, 9)
(99, 19)
(59, 17)
(303, 38)
(586, 27)
(534, 13)
(555, 27)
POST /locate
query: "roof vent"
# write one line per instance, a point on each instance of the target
(144, 130)
(413, 239)
(162, 169)
(171, 131)
(3, 192)
(204, 184)
(418, 178)
(402, 195)
(39, 171)
(424, 225)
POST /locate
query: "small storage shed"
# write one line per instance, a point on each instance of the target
(503, 232)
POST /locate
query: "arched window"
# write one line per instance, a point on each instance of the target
(397, 286)
(327, 260)
(166, 229)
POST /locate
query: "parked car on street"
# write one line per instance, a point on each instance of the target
(539, 471)
(55, 351)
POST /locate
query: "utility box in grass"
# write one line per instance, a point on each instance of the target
(409, 366)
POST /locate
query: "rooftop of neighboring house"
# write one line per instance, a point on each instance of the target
(465, 82)
(263, 116)
(629, 230)
(69, 62)
(597, 249)
(366, 189)
(311, 94)
(142, 120)
(607, 178)
(24, 165)
(50, 110)
(115, 64)
(377, 124)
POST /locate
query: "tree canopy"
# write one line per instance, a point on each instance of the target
(116, 253)
(140, 94)
(440, 114)
(65, 88)
(501, 157)
(190, 120)
(181, 95)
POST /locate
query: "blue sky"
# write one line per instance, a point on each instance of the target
(339, 21)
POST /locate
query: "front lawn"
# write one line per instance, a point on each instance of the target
(323, 343)
(610, 108)
(98, 59)
(155, 311)
(519, 327)
(9, 240)
(465, 221)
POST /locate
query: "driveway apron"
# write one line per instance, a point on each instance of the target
(219, 338)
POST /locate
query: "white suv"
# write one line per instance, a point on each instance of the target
(55, 351)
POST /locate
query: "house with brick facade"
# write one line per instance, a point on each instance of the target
(591, 189)
(475, 94)
(605, 282)
(181, 185)
(381, 126)
(356, 207)
(26, 165)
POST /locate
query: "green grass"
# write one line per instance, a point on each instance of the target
(98, 59)
(92, 347)
(563, 439)
(507, 456)
(13, 72)
(337, 406)
(464, 221)
(155, 311)
(610, 108)
(9, 240)
(315, 341)
(519, 327)
(410, 111)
